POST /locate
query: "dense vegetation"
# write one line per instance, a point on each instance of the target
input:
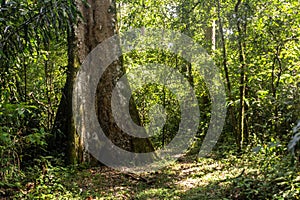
(254, 44)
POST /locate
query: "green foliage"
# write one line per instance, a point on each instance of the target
(46, 181)
(33, 53)
(33, 59)
(270, 176)
(27, 32)
(151, 95)
(29, 25)
(19, 132)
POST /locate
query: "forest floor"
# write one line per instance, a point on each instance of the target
(185, 179)
(251, 176)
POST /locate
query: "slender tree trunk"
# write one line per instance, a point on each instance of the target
(242, 87)
(226, 70)
(213, 35)
(274, 86)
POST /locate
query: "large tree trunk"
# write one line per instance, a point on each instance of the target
(98, 24)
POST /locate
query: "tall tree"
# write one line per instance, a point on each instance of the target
(241, 28)
(98, 23)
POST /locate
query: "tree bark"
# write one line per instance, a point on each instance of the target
(226, 70)
(97, 24)
(242, 88)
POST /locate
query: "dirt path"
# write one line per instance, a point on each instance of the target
(182, 180)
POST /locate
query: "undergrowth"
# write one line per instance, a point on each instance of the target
(260, 174)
